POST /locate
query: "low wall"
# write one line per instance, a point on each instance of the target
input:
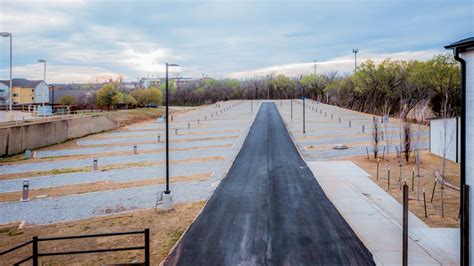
(17, 139)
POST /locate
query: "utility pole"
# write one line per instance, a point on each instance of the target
(355, 51)
(304, 107)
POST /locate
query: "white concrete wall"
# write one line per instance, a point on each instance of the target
(41, 93)
(469, 58)
(439, 142)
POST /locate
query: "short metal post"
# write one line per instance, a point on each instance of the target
(332, 116)
(147, 247)
(95, 163)
(350, 123)
(135, 149)
(363, 128)
(388, 177)
(325, 114)
(378, 166)
(189, 125)
(176, 131)
(159, 138)
(405, 225)
(198, 121)
(367, 151)
(35, 251)
(339, 120)
(400, 175)
(413, 179)
(424, 203)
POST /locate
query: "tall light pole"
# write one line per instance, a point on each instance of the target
(44, 71)
(167, 191)
(315, 61)
(355, 51)
(9, 34)
(304, 107)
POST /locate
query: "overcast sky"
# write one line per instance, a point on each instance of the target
(83, 40)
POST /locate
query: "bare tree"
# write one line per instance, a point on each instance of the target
(405, 131)
(375, 136)
(446, 139)
(387, 135)
(419, 114)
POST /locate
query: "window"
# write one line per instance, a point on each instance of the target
(15, 94)
(2, 90)
(32, 98)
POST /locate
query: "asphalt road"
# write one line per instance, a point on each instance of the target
(269, 210)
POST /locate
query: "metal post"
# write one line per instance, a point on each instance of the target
(11, 74)
(167, 191)
(465, 222)
(378, 166)
(304, 122)
(35, 251)
(405, 225)
(147, 247)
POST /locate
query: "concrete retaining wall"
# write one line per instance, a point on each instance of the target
(17, 139)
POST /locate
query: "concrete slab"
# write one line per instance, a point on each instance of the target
(376, 218)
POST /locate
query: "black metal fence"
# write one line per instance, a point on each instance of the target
(35, 254)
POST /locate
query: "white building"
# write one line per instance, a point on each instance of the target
(464, 53)
(150, 82)
(4, 94)
(445, 138)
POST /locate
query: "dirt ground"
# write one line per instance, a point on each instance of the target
(429, 164)
(165, 229)
(99, 186)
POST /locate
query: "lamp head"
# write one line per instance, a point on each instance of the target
(41, 61)
(172, 64)
(5, 34)
(355, 51)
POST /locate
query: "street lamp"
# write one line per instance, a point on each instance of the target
(304, 107)
(167, 191)
(315, 61)
(355, 51)
(9, 34)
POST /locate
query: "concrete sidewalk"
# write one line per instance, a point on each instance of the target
(376, 218)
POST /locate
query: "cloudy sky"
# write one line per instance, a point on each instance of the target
(86, 40)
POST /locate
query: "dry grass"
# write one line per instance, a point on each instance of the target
(429, 164)
(112, 153)
(99, 186)
(165, 229)
(105, 168)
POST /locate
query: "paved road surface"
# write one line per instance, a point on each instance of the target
(269, 210)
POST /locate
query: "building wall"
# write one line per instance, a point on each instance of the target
(3, 94)
(23, 95)
(469, 58)
(452, 142)
(41, 93)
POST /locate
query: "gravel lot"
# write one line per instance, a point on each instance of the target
(78, 206)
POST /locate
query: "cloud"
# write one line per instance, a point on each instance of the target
(64, 73)
(343, 64)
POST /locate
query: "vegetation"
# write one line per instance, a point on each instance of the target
(385, 88)
(67, 100)
(147, 96)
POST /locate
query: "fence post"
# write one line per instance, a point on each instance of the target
(147, 247)
(35, 251)
(405, 225)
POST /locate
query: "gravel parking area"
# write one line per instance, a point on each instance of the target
(236, 116)
(322, 130)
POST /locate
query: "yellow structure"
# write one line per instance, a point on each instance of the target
(23, 95)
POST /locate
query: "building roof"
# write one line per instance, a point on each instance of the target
(24, 83)
(462, 44)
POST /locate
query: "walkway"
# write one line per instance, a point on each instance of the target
(269, 210)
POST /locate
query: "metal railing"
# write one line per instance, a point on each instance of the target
(35, 254)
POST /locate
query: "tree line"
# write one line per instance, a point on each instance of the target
(388, 88)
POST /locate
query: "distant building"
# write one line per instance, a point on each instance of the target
(26, 91)
(150, 82)
(4, 93)
(128, 86)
